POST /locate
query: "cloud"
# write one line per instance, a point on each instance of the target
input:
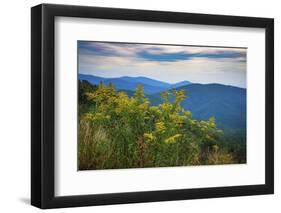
(157, 52)
(164, 62)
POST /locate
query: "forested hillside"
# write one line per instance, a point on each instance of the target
(129, 129)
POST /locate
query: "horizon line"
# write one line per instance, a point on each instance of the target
(162, 81)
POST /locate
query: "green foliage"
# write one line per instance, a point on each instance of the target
(85, 87)
(117, 131)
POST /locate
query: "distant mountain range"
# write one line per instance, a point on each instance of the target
(150, 86)
(226, 103)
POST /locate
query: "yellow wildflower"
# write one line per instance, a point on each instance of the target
(173, 139)
(160, 126)
(148, 137)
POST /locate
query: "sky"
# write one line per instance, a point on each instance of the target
(168, 63)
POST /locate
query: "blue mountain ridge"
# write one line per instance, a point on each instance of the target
(150, 86)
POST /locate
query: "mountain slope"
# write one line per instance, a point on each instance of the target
(146, 81)
(151, 86)
(180, 84)
(128, 83)
(226, 103)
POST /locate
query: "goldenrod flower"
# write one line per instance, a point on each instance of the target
(173, 139)
(160, 126)
(148, 137)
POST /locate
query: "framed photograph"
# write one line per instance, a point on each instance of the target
(139, 106)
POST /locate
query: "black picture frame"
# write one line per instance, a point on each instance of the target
(43, 102)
